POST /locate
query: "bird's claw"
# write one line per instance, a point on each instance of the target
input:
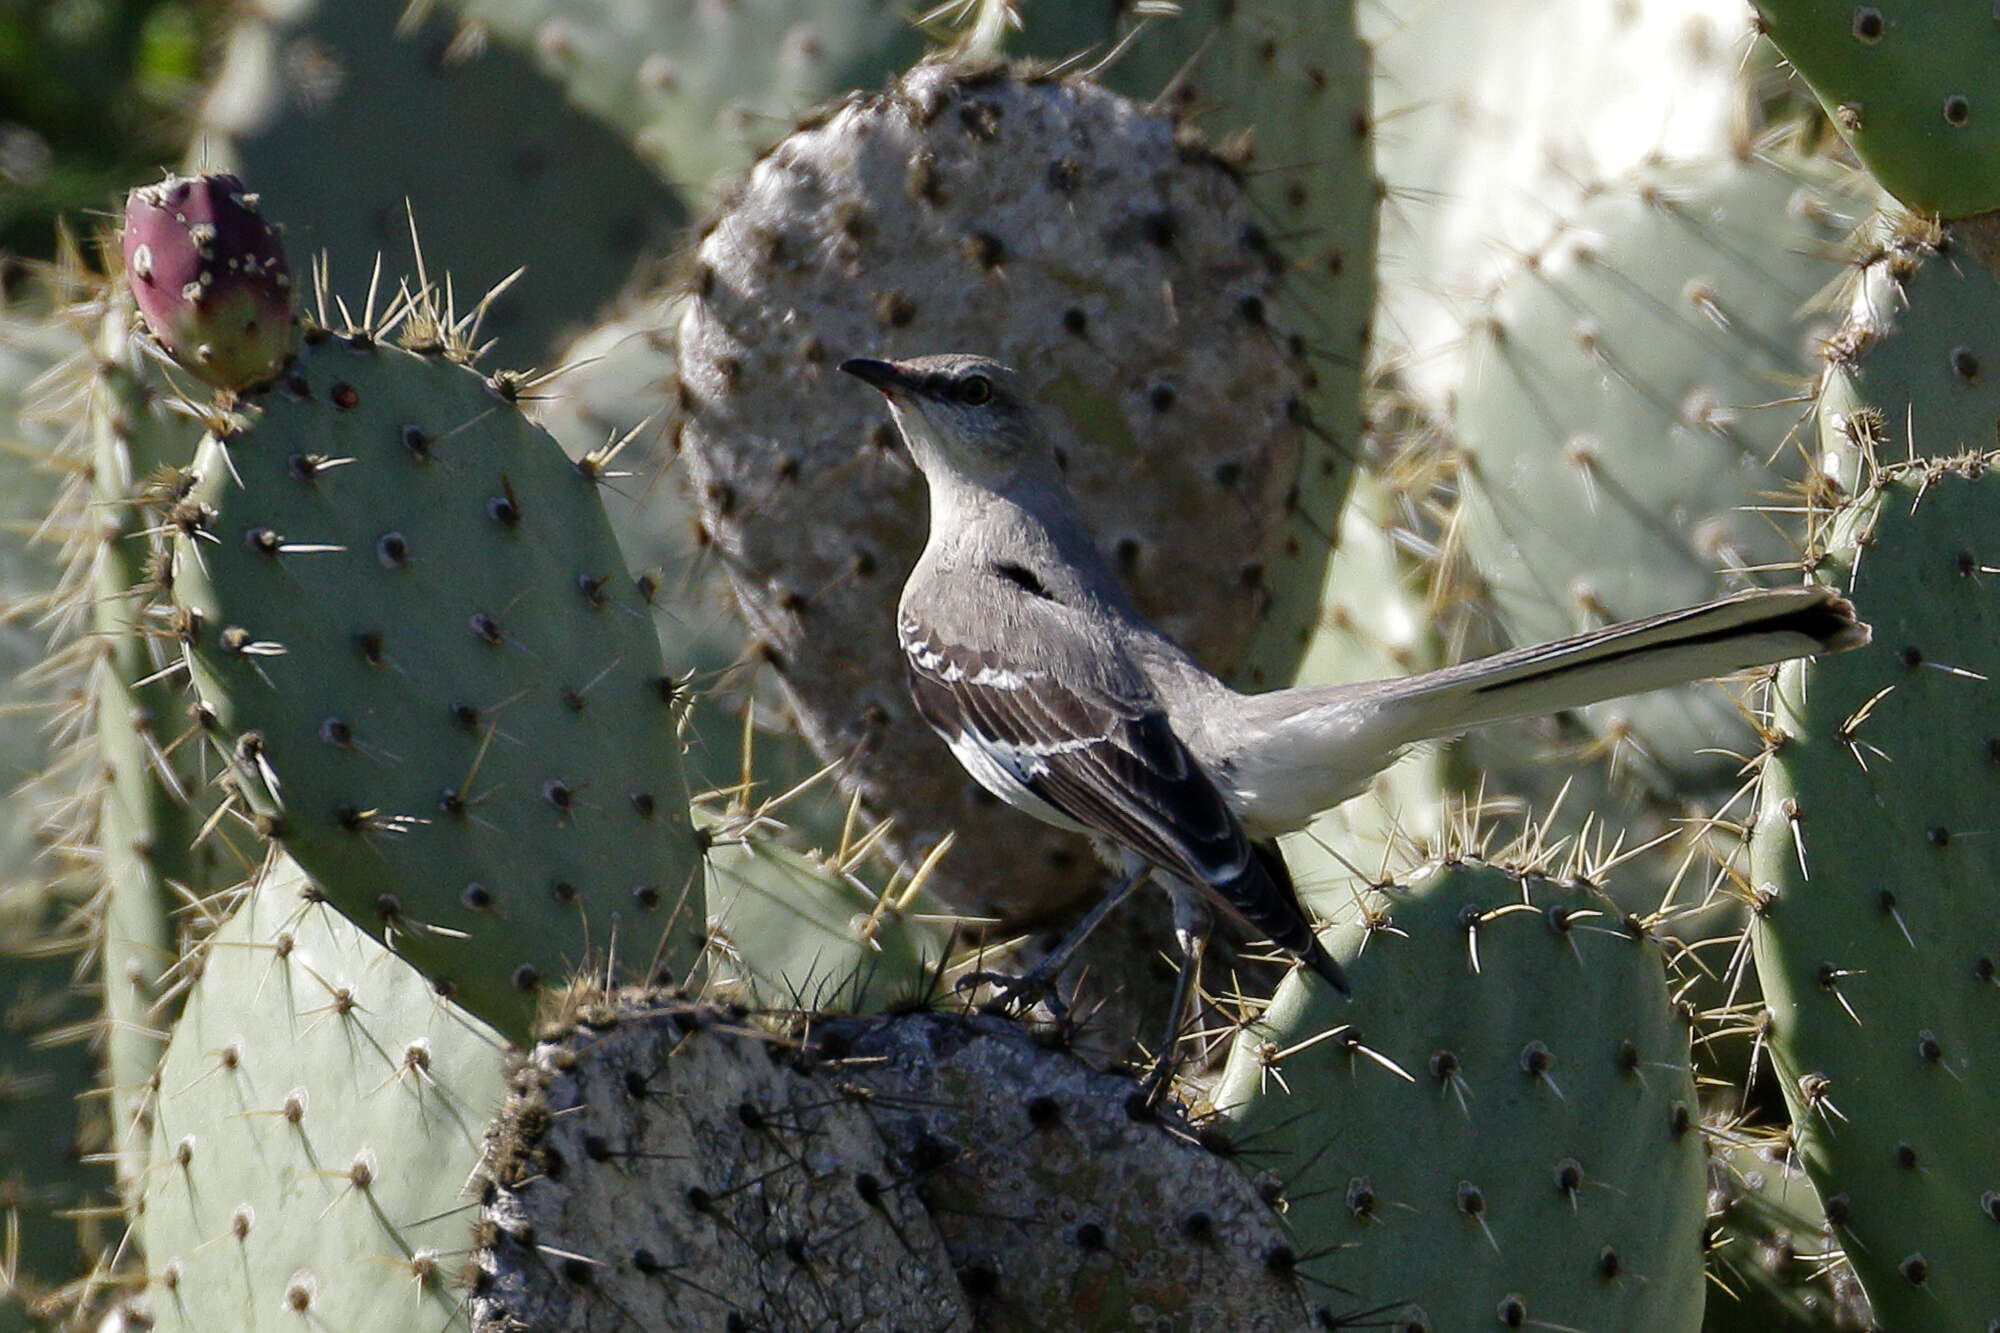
(1013, 996)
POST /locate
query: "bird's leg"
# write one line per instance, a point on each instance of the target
(1018, 994)
(1193, 920)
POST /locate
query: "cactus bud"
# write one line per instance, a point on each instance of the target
(210, 278)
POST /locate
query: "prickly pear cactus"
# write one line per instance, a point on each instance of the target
(405, 607)
(700, 88)
(1067, 232)
(1500, 1127)
(1619, 424)
(684, 1167)
(1914, 372)
(1876, 901)
(210, 278)
(320, 1120)
(1910, 87)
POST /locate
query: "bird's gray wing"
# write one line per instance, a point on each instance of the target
(1080, 728)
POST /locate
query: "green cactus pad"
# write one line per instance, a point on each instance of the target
(1911, 87)
(340, 122)
(1614, 442)
(623, 375)
(320, 1119)
(1282, 87)
(1878, 897)
(701, 88)
(1914, 372)
(1533, 1156)
(406, 607)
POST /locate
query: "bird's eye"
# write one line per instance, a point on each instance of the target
(974, 390)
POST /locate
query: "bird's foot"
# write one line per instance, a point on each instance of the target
(1014, 996)
(1159, 1080)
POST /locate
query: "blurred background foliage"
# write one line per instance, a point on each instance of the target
(94, 94)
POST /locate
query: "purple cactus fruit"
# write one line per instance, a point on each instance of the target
(210, 278)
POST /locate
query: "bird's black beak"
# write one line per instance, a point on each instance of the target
(887, 376)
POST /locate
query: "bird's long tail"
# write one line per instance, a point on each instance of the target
(1700, 642)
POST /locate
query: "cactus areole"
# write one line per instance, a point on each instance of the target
(210, 278)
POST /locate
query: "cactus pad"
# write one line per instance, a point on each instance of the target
(1878, 898)
(1915, 369)
(925, 1170)
(1502, 1123)
(1911, 88)
(319, 1122)
(1615, 444)
(405, 605)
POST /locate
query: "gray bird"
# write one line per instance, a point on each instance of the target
(1026, 655)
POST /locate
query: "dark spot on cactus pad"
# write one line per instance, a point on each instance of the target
(894, 309)
(485, 627)
(1906, 1156)
(1965, 364)
(1090, 1236)
(1910, 656)
(1608, 1265)
(346, 397)
(1680, 1121)
(1868, 25)
(563, 891)
(647, 896)
(1044, 1111)
(392, 550)
(502, 510)
(1916, 1270)
(643, 804)
(476, 896)
(1957, 110)
(525, 978)
(1512, 1312)
(1280, 1261)
(369, 644)
(558, 793)
(334, 731)
(644, 1262)
(1938, 836)
(1075, 322)
(985, 249)
(416, 442)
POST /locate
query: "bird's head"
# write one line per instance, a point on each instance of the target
(964, 417)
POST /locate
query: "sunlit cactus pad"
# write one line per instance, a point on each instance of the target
(1501, 1128)
(1876, 887)
(404, 603)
